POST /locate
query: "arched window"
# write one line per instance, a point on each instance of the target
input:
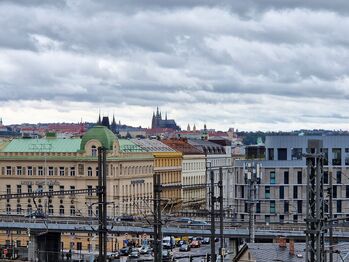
(50, 209)
(72, 210)
(89, 171)
(19, 209)
(8, 209)
(93, 151)
(97, 212)
(29, 209)
(96, 171)
(61, 210)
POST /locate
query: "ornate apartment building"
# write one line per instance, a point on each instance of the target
(28, 165)
(281, 194)
(193, 174)
(168, 164)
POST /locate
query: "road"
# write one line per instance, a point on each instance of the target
(203, 250)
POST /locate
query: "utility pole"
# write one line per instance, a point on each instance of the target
(252, 177)
(213, 215)
(157, 218)
(221, 213)
(315, 232)
(330, 206)
(102, 204)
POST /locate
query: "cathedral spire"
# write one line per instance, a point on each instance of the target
(188, 127)
(113, 122)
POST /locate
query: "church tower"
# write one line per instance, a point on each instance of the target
(113, 125)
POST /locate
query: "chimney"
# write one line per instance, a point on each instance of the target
(282, 242)
(291, 247)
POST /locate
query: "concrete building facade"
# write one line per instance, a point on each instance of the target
(281, 194)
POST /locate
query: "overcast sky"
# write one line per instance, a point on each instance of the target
(269, 65)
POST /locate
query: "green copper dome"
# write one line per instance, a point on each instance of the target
(100, 133)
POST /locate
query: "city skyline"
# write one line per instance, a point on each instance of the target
(252, 66)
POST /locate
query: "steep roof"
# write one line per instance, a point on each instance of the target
(42, 145)
(100, 133)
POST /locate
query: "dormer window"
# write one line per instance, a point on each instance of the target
(94, 151)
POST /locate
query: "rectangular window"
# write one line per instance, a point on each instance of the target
(50, 188)
(286, 207)
(295, 192)
(258, 207)
(286, 176)
(8, 170)
(346, 156)
(30, 189)
(89, 192)
(40, 189)
(336, 156)
(325, 177)
(325, 151)
(242, 189)
(281, 219)
(72, 171)
(30, 171)
(299, 177)
(267, 219)
(272, 178)
(72, 188)
(270, 153)
(61, 188)
(347, 191)
(8, 189)
(296, 154)
(339, 206)
(326, 207)
(246, 207)
(334, 191)
(40, 171)
(61, 171)
(282, 192)
(339, 177)
(19, 171)
(282, 153)
(295, 218)
(267, 192)
(272, 206)
(299, 206)
(50, 170)
(19, 189)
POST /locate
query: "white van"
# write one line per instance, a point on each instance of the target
(168, 242)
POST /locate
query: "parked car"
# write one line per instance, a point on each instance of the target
(126, 218)
(114, 255)
(195, 243)
(181, 242)
(167, 255)
(134, 254)
(198, 223)
(205, 241)
(184, 248)
(144, 250)
(124, 251)
(184, 220)
(37, 214)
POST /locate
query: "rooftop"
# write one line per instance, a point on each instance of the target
(42, 145)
